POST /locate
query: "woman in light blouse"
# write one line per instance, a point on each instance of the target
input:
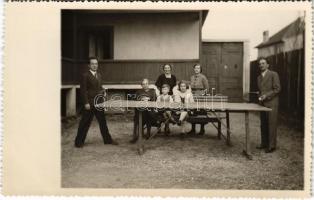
(199, 86)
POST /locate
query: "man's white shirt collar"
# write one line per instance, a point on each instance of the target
(93, 72)
(264, 72)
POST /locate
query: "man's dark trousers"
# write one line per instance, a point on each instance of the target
(269, 86)
(90, 88)
(87, 117)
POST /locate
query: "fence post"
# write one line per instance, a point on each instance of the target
(299, 78)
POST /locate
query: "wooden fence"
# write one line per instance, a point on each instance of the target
(126, 72)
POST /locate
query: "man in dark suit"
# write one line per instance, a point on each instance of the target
(90, 88)
(269, 87)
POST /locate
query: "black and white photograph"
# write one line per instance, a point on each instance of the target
(186, 103)
(157, 99)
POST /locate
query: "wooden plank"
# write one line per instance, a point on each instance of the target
(125, 72)
(135, 72)
(140, 145)
(125, 86)
(69, 86)
(231, 71)
(211, 61)
(247, 150)
(228, 128)
(197, 105)
(223, 64)
(208, 98)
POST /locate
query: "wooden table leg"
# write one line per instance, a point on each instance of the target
(140, 146)
(219, 129)
(228, 128)
(226, 125)
(247, 150)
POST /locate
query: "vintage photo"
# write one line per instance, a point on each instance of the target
(191, 99)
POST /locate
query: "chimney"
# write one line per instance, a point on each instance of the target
(265, 36)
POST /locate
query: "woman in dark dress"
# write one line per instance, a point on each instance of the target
(166, 78)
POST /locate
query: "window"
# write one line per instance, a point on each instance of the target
(96, 42)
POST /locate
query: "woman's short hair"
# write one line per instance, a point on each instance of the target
(164, 65)
(183, 82)
(197, 64)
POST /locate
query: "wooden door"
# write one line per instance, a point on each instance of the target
(210, 63)
(223, 65)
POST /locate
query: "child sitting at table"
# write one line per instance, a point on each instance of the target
(183, 96)
(165, 97)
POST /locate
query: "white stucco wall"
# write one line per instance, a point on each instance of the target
(158, 37)
(289, 44)
(270, 50)
(293, 43)
(172, 35)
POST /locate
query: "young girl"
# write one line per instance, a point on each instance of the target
(183, 95)
(165, 97)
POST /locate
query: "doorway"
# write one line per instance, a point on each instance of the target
(223, 66)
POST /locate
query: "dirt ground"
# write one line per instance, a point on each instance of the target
(198, 162)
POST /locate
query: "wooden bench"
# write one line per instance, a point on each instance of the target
(208, 116)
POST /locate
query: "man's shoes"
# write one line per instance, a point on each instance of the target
(147, 136)
(133, 140)
(261, 147)
(112, 142)
(202, 132)
(167, 131)
(270, 150)
(78, 145)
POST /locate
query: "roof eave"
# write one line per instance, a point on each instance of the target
(204, 16)
(268, 44)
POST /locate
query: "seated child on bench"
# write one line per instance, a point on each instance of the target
(165, 97)
(183, 96)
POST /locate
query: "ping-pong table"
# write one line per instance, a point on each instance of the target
(213, 107)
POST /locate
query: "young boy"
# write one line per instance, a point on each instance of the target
(165, 97)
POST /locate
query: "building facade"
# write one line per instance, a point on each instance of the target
(130, 45)
(287, 39)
